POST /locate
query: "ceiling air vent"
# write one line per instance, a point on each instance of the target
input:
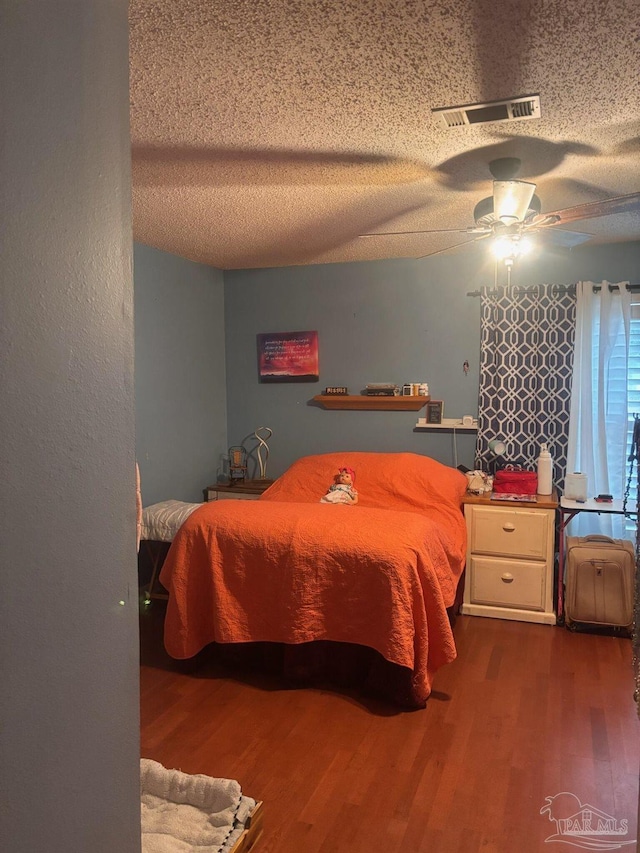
(512, 109)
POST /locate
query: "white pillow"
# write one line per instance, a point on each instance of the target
(161, 521)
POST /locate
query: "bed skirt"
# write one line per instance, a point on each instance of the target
(322, 664)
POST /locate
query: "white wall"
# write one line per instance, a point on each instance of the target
(69, 750)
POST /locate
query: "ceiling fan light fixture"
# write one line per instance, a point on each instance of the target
(483, 213)
(504, 247)
(525, 246)
(508, 247)
(511, 200)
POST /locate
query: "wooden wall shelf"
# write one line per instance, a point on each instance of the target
(371, 403)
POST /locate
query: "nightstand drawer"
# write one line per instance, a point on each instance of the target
(214, 495)
(507, 583)
(247, 490)
(517, 533)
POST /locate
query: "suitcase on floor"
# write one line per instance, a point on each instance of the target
(599, 581)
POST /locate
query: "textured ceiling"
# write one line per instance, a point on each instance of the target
(274, 132)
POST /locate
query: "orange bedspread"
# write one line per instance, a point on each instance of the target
(291, 570)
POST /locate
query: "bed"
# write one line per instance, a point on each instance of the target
(328, 584)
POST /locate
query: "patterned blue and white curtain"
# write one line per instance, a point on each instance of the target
(526, 363)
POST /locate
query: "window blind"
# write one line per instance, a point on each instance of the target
(633, 392)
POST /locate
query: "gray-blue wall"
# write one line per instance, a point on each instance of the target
(396, 320)
(69, 718)
(181, 412)
(387, 321)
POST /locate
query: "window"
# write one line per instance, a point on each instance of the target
(627, 381)
(633, 391)
(605, 396)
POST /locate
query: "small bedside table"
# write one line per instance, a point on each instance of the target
(248, 490)
(510, 558)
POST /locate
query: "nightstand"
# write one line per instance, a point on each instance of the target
(510, 558)
(248, 490)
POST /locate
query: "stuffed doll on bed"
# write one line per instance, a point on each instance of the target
(343, 490)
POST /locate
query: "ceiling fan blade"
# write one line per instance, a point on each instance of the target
(455, 246)
(563, 238)
(591, 210)
(470, 230)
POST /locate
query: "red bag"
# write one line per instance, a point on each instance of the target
(514, 480)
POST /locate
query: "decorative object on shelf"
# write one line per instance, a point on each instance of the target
(435, 410)
(288, 357)
(467, 420)
(237, 464)
(336, 391)
(415, 389)
(382, 389)
(261, 435)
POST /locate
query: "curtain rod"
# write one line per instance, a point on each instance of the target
(559, 288)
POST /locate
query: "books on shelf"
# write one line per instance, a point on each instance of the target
(381, 389)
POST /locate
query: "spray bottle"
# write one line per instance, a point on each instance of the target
(545, 471)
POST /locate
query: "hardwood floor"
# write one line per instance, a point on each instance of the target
(526, 712)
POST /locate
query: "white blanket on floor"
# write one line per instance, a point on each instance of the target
(183, 813)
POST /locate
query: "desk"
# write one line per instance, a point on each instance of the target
(568, 510)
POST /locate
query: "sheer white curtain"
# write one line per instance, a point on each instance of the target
(599, 417)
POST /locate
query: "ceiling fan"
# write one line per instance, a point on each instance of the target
(514, 211)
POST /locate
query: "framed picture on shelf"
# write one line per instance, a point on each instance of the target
(434, 411)
(288, 357)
